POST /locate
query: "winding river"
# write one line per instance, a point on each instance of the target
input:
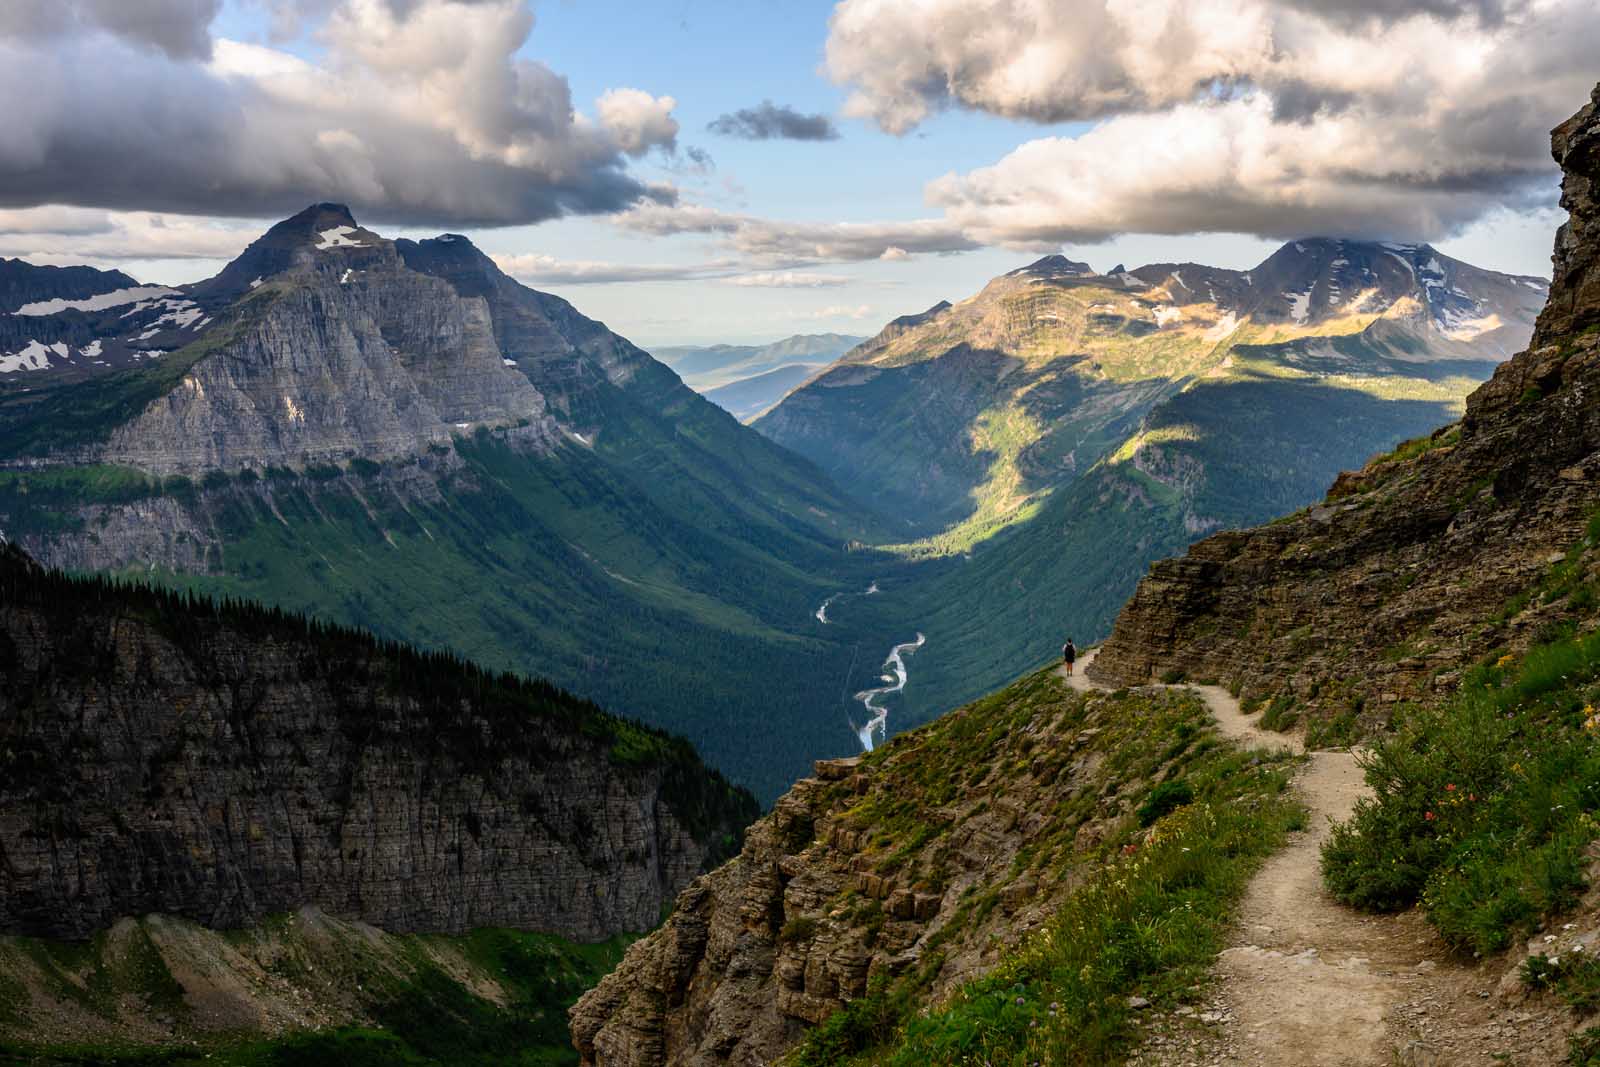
(822, 612)
(894, 672)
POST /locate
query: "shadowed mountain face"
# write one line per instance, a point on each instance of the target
(395, 434)
(411, 791)
(967, 414)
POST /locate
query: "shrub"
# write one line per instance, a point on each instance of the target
(1163, 799)
(1482, 810)
(798, 929)
(1280, 714)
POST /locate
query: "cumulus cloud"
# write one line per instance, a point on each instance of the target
(420, 112)
(639, 121)
(774, 122)
(796, 243)
(1275, 117)
(179, 28)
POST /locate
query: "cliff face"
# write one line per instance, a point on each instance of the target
(157, 756)
(1404, 574)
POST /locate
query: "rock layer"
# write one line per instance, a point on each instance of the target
(221, 766)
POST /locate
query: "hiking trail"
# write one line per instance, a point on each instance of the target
(1307, 982)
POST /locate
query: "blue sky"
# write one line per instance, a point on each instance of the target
(1024, 156)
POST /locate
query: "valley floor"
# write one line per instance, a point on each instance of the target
(1307, 982)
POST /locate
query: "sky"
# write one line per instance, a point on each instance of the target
(701, 171)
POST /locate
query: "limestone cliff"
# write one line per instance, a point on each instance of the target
(161, 755)
(1427, 558)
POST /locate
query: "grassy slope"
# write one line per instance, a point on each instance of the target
(1180, 818)
(1486, 809)
(411, 1009)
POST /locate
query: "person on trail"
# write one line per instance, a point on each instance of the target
(1069, 654)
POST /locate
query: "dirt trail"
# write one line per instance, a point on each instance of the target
(1306, 982)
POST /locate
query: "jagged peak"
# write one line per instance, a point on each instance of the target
(921, 317)
(1055, 265)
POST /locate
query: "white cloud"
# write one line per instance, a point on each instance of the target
(855, 312)
(638, 121)
(417, 111)
(795, 243)
(537, 269)
(1274, 117)
(789, 280)
(107, 238)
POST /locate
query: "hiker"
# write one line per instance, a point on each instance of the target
(1069, 654)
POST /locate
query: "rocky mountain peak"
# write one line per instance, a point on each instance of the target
(1055, 265)
(323, 236)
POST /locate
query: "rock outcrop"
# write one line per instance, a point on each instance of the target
(160, 755)
(1425, 560)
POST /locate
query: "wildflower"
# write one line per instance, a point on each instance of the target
(1428, 815)
(1504, 661)
(1450, 787)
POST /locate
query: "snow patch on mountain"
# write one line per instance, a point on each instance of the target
(337, 237)
(35, 356)
(1299, 305)
(95, 303)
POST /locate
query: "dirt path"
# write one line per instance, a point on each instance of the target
(1306, 982)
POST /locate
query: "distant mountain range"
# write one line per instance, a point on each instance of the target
(394, 434)
(707, 367)
(969, 413)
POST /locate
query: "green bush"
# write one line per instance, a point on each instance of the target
(1163, 799)
(1481, 810)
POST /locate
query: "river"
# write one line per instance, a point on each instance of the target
(874, 730)
(822, 612)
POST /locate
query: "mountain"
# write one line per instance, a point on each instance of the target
(1091, 477)
(1474, 538)
(886, 885)
(220, 767)
(708, 367)
(749, 397)
(396, 435)
(968, 415)
(1047, 874)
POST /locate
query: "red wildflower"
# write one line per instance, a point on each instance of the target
(1451, 788)
(1428, 815)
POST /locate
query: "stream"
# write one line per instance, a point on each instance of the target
(822, 612)
(894, 671)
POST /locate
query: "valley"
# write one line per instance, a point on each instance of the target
(542, 535)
